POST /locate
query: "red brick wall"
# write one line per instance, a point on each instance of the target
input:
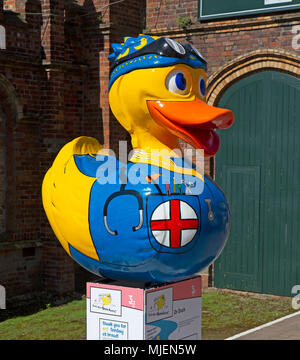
(20, 273)
(23, 31)
(220, 41)
(130, 15)
(166, 13)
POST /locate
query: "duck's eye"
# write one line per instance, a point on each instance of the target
(177, 83)
(202, 86)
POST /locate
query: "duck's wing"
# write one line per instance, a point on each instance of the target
(66, 192)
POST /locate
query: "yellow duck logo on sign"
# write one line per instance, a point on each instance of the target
(106, 300)
(160, 302)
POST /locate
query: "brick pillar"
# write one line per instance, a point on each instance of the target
(53, 39)
(127, 19)
(96, 27)
(58, 268)
(104, 80)
(117, 21)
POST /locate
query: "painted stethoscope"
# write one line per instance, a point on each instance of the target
(134, 193)
(122, 192)
(139, 199)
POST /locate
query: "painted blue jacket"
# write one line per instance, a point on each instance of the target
(160, 230)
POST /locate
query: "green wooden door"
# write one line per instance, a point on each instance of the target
(258, 166)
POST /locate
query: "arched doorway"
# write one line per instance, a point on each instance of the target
(258, 167)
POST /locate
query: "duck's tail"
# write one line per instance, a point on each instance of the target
(65, 194)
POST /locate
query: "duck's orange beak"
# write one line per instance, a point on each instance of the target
(192, 121)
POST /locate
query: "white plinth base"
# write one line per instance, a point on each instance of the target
(116, 311)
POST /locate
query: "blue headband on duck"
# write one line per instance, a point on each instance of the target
(146, 52)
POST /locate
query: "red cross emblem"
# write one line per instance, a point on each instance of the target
(174, 223)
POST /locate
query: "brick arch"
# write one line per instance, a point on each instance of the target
(9, 99)
(245, 65)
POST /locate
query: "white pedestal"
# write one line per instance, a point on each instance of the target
(116, 311)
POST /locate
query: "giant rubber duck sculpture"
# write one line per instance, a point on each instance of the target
(156, 218)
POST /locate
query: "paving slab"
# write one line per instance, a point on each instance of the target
(286, 328)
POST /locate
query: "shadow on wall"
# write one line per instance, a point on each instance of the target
(128, 19)
(93, 43)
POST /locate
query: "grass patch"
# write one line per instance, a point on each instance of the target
(224, 314)
(65, 322)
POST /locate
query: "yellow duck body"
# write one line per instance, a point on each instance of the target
(94, 220)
